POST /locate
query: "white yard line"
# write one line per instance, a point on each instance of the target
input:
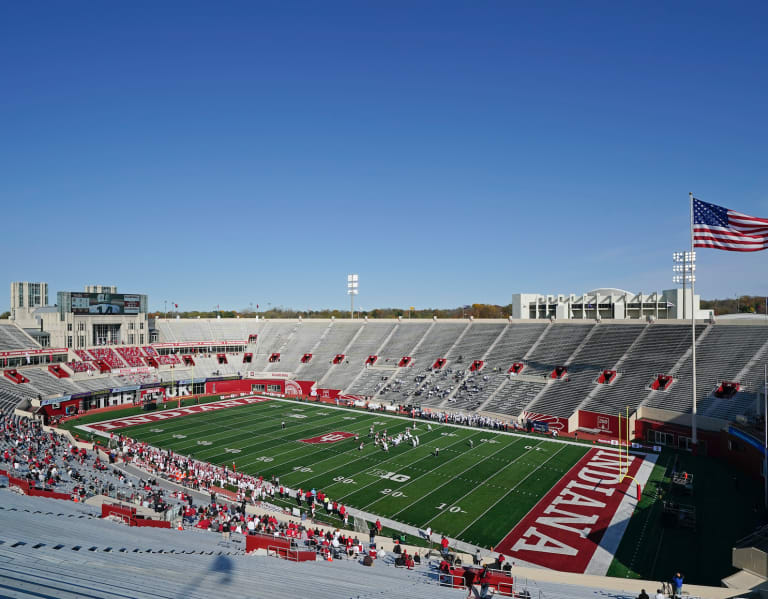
(449, 481)
(226, 430)
(362, 470)
(388, 415)
(378, 479)
(299, 447)
(304, 447)
(505, 494)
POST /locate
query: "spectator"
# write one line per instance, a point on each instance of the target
(469, 582)
(677, 582)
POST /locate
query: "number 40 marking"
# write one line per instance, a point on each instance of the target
(396, 478)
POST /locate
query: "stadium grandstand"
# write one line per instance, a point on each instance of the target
(589, 383)
(573, 374)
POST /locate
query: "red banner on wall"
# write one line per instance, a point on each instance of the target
(605, 424)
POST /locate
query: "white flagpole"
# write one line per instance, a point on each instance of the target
(694, 436)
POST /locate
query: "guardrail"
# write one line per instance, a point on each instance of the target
(292, 555)
(499, 586)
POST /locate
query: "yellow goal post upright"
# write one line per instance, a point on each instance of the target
(624, 472)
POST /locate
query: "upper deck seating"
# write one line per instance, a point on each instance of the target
(13, 338)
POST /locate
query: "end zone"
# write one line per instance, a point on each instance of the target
(578, 525)
(118, 423)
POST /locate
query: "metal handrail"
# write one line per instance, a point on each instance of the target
(502, 588)
(287, 551)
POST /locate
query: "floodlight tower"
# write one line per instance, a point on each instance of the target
(352, 290)
(685, 265)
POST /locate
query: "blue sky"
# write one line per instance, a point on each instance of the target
(229, 153)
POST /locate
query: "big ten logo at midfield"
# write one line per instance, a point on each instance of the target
(329, 437)
(604, 423)
(393, 476)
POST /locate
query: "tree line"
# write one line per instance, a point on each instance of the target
(742, 304)
(474, 310)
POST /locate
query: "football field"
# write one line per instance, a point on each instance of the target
(476, 489)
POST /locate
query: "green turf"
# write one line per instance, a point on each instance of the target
(725, 501)
(88, 418)
(473, 493)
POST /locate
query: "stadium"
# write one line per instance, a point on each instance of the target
(374, 300)
(557, 446)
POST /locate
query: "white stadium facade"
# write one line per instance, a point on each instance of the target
(608, 304)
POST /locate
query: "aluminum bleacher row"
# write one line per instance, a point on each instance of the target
(638, 352)
(172, 330)
(605, 346)
(13, 338)
(101, 558)
(52, 548)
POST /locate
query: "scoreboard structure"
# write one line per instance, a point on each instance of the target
(84, 303)
(105, 303)
(102, 317)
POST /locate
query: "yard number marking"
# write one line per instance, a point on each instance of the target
(346, 481)
(392, 493)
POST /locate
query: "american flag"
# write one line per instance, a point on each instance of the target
(723, 229)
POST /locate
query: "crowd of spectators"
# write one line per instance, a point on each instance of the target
(232, 518)
(203, 476)
(80, 366)
(52, 462)
(475, 420)
(49, 461)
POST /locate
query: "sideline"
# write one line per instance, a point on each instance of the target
(270, 509)
(617, 586)
(494, 431)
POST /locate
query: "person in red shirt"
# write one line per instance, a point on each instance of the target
(378, 526)
(444, 545)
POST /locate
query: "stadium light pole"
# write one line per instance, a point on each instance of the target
(352, 291)
(684, 266)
